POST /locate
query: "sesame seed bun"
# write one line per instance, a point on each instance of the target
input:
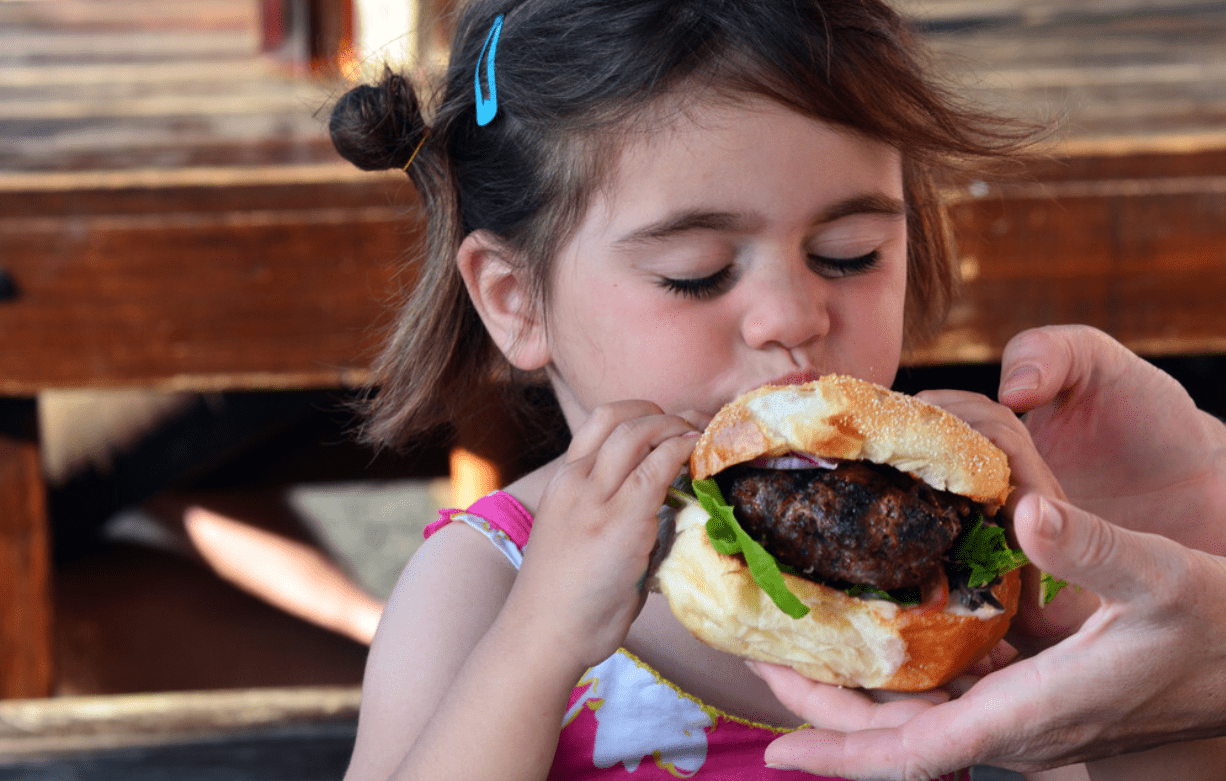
(843, 417)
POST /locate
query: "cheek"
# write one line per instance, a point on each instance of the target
(664, 349)
(674, 339)
(870, 328)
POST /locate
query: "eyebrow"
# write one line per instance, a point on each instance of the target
(687, 221)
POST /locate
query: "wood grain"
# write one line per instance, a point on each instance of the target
(25, 620)
(203, 287)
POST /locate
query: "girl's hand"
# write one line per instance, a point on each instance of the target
(583, 570)
(1148, 667)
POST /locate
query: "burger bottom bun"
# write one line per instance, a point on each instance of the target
(843, 640)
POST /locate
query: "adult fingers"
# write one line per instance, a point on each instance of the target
(1002, 427)
(871, 754)
(1039, 364)
(835, 707)
(1077, 546)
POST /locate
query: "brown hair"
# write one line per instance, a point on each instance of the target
(574, 78)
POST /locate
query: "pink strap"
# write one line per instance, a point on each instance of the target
(500, 509)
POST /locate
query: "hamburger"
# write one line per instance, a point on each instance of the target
(847, 531)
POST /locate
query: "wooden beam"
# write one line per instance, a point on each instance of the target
(25, 600)
(242, 297)
(35, 728)
(1143, 259)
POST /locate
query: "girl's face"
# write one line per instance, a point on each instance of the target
(741, 245)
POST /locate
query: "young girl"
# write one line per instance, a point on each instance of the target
(654, 206)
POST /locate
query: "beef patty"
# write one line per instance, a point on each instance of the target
(860, 523)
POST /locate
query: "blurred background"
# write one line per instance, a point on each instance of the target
(193, 547)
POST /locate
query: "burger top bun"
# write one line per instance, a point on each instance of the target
(844, 417)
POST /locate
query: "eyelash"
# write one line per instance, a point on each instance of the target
(702, 288)
(711, 286)
(844, 267)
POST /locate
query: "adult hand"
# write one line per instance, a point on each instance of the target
(1147, 667)
(1124, 439)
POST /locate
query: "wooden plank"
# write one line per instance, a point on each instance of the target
(102, 289)
(288, 100)
(312, 752)
(959, 10)
(165, 148)
(1144, 260)
(75, 724)
(260, 298)
(1092, 69)
(129, 14)
(22, 46)
(25, 600)
(198, 190)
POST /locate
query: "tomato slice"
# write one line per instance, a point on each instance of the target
(936, 595)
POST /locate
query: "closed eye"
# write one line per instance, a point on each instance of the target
(845, 267)
(701, 288)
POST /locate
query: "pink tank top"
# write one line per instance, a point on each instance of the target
(623, 717)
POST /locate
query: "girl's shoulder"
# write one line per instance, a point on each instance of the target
(456, 558)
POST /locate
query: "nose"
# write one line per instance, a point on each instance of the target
(788, 305)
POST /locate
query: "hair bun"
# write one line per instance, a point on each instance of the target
(377, 127)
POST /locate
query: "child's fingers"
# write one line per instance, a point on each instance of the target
(630, 446)
(600, 424)
(660, 467)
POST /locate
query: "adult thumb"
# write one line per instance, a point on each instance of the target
(1082, 548)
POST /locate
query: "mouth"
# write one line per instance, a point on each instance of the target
(796, 378)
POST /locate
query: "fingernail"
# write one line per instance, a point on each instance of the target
(749, 663)
(1023, 378)
(1051, 521)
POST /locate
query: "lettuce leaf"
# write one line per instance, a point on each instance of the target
(985, 550)
(1051, 586)
(907, 597)
(729, 538)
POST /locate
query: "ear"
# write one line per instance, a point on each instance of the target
(497, 282)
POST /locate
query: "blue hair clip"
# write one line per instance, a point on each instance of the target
(488, 107)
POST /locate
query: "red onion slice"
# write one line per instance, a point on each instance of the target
(794, 461)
